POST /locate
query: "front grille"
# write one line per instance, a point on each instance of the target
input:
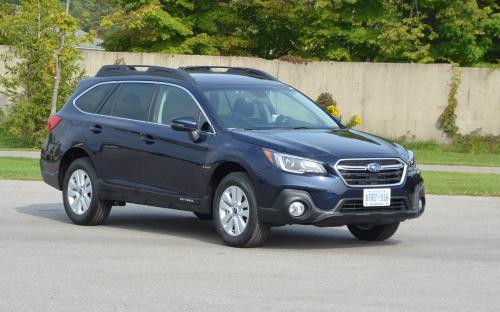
(356, 206)
(355, 172)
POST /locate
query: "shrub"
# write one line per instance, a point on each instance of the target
(326, 101)
(447, 121)
(293, 59)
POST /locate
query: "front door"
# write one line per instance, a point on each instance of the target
(171, 162)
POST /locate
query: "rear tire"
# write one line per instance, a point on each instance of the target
(373, 232)
(235, 212)
(81, 194)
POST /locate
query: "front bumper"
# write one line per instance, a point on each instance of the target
(278, 214)
(324, 204)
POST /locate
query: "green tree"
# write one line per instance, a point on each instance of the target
(465, 32)
(34, 31)
(356, 30)
(6, 8)
(90, 12)
(157, 26)
(271, 28)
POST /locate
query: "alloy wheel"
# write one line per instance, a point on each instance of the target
(234, 210)
(79, 191)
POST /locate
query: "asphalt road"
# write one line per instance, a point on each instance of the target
(152, 259)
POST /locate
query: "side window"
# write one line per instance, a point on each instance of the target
(91, 99)
(131, 100)
(173, 102)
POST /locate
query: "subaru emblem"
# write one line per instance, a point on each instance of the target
(374, 167)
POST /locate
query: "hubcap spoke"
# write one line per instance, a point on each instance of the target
(244, 213)
(73, 202)
(227, 198)
(233, 190)
(225, 219)
(72, 183)
(241, 224)
(86, 201)
(228, 227)
(224, 206)
(237, 229)
(72, 192)
(239, 196)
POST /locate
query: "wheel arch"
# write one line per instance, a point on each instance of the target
(222, 170)
(70, 156)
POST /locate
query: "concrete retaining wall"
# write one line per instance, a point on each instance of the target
(393, 100)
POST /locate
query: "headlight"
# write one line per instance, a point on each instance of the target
(294, 164)
(412, 164)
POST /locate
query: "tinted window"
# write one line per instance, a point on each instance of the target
(91, 99)
(131, 100)
(173, 102)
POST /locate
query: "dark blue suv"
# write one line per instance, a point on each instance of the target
(230, 144)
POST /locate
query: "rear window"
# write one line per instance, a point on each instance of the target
(90, 100)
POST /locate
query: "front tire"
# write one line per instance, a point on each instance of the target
(235, 212)
(80, 194)
(367, 232)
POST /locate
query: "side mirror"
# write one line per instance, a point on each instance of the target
(188, 124)
(184, 124)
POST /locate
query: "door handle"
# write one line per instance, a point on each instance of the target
(96, 128)
(148, 139)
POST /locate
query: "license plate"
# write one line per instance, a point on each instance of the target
(376, 197)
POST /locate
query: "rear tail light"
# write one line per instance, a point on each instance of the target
(53, 122)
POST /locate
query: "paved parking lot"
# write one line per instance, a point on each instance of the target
(151, 259)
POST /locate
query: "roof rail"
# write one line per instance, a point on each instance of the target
(244, 71)
(129, 70)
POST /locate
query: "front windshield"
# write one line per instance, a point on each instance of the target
(265, 107)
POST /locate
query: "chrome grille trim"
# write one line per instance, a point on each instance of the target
(363, 168)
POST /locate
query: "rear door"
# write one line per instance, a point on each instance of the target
(119, 125)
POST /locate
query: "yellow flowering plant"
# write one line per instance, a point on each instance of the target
(326, 101)
(354, 121)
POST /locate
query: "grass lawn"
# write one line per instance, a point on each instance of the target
(436, 182)
(432, 157)
(17, 168)
(484, 152)
(459, 183)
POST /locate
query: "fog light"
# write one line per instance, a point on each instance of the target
(296, 209)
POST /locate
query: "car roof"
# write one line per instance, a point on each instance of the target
(201, 80)
(191, 75)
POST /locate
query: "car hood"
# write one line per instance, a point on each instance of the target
(323, 144)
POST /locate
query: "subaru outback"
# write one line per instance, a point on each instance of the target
(231, 144)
